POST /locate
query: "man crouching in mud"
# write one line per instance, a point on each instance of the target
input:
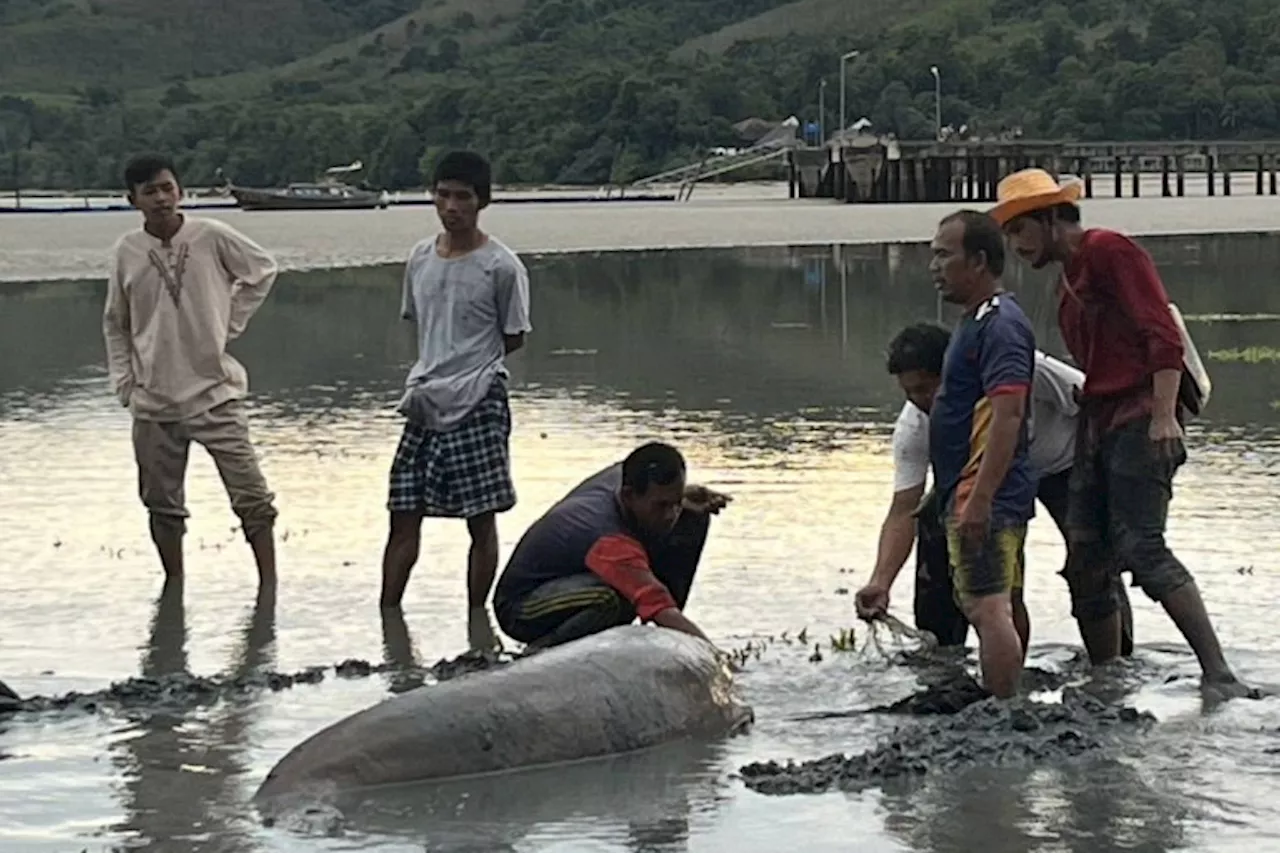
(1114, 316)
(915, 358)
(978, 442)
(623, 543)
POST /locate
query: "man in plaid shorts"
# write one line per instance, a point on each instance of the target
(468, 294)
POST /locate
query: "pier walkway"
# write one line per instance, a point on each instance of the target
(875, 170)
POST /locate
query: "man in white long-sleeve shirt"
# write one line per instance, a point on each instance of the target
(179, 289)
(915, 359)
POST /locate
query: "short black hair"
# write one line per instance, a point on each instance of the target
(144, 167)
(466, 167)
(652, 464)
(921, 346)
(982, 235)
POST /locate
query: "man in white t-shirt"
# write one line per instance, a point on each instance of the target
(915, 358)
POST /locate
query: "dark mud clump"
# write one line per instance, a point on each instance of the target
(9, 701)
(957, 691)
(182, 690)
(987, 732)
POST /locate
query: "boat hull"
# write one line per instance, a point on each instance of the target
(250, 199)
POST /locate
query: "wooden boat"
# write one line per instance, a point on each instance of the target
(329, 193)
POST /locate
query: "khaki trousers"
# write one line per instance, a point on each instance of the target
(162, 449)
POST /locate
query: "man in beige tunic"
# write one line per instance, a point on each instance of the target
(179, 288)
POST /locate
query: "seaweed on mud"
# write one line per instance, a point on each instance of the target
(182, 690)
(986, 732)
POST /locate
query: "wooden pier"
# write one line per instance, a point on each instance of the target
(872, 170)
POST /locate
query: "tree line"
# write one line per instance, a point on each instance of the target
(587, 92)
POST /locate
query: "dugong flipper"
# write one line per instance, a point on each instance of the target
(625, 689)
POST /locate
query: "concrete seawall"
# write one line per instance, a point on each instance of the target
(62, 246)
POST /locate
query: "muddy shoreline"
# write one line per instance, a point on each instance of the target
(184, 690)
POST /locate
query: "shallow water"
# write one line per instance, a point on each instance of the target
(765, 367)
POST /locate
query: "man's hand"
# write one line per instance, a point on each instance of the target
(975, 519)
(700, 499)
(872, 601)
(1165, 434)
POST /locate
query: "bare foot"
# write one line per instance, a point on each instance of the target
(480, 634)
(1224, 687)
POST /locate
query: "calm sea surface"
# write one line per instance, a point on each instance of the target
(765, 366)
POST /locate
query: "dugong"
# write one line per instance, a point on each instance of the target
(621, 690)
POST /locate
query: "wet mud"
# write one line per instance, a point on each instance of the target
(184, 690)
(983, 731)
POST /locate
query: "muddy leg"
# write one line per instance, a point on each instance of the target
(988, 574)
(1140, 480)
(482, 567)
(404, 540)
(1098, 634)
(482, 558)
(999, 646)
(1021, 622)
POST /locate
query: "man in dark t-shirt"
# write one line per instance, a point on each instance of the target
(624, 543)
(978, 442)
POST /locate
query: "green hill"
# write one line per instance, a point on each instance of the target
(592, 90)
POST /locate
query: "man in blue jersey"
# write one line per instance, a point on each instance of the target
(915, 359)
(978, 442)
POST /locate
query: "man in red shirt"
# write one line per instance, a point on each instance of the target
(1114, 316)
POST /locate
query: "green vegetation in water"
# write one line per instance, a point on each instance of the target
(588, 91)
(1248, 355)
(1230, 318)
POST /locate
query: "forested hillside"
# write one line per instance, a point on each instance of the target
(592, 90)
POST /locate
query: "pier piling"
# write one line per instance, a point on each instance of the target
(894, 171)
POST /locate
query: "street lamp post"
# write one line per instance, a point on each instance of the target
(822, 111)
(850, 55)
(937, 102)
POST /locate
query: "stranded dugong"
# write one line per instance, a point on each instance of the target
(625, 689)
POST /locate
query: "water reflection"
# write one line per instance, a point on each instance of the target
(767, 366)
(649, 796)
(1097, 806)
(180, 769)
(760, 331)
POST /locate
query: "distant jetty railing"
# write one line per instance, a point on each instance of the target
(877, 171)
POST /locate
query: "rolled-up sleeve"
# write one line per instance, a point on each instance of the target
(621, 562)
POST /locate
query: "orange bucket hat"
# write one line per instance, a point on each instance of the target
(1030, 190)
